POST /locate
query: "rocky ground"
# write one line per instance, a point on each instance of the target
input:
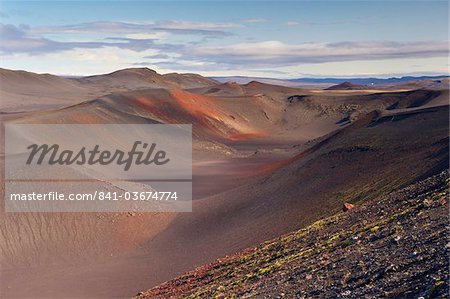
(393, 247)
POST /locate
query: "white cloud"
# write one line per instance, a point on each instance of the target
(275, 53)
(189, 25)
(22, 40)
(255, 20)
(116, 27)
(153, 35)
(78, 61)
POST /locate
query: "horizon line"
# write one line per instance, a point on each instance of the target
(334, 77)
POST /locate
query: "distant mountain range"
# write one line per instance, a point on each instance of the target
(363, 81)
(368, 80)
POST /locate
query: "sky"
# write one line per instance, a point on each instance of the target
(282, 39)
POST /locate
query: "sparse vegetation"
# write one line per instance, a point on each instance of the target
(394, 246)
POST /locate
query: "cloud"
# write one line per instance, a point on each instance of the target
(254, 20)
(275, 53)
(15, 39)
(267, 54)
(143, 64)
(157, 56)
(115, 27)
(189, 25)
(294, 23)
(269, 71)
(184, 65)
(19, 40)
(348, 21)
(153, 35)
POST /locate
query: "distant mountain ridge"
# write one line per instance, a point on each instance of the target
(308, 80)
(371, 80)
(346, 86)
(22, 90)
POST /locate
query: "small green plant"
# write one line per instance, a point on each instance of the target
(374, 229)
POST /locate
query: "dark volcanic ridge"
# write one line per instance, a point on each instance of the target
(325, 82)
(347, 86)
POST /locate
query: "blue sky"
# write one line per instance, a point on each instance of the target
(252, 38)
